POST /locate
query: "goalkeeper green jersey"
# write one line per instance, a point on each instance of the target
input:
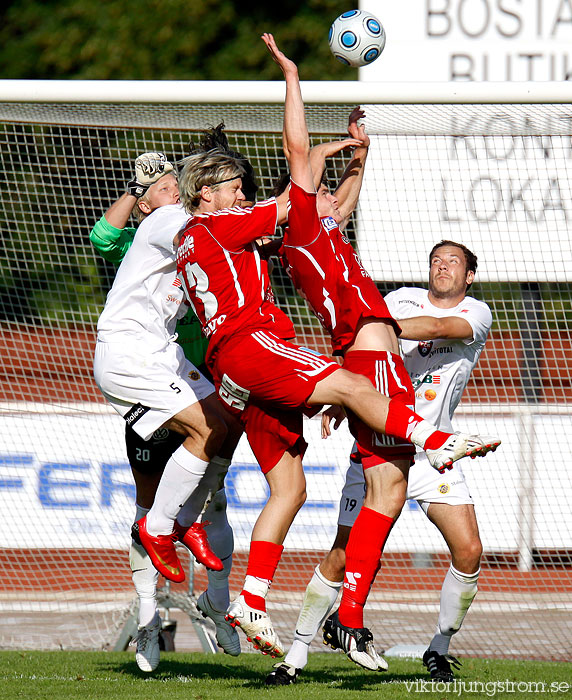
(112, 243)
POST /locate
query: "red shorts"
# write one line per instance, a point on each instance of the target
(387, 373)
(271, 432)
(266, 382)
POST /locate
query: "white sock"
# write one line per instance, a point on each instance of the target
(256, 586)
(144, 576)
(210, 483)
(221, 540)
(319, 599)
(457, 594)
(183, 473)
(422, 431)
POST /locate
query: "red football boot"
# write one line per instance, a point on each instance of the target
(195, 538)
(161, 550)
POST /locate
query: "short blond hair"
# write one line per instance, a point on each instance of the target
(208, 169)
(137, 212)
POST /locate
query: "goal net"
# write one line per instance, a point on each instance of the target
(495, 176)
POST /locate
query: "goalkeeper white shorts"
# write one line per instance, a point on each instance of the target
(425, 486)
(148, 388)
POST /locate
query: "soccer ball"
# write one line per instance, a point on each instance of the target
(356, 38)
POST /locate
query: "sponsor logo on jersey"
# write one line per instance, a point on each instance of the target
(409, 301)
(187, 244)
(328, 222)
(424, 347)
(443, 488)
(160, 434)
(429, 379)
(441, 351)
(194, 375)
(213, 324)
(135, 413)
(177, 282)
(430, 394)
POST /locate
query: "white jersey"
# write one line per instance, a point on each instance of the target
(440, 369)
(146, 298)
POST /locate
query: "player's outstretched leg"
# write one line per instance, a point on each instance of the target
(256, 625)
(460, 445)
(356, 643)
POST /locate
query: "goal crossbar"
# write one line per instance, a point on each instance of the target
(272, 92)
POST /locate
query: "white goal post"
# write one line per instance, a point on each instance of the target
(272, 92)
(485, 164)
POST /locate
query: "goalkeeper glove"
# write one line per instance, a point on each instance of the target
(149, 167)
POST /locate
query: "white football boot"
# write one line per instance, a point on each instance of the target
(256, 625)
(460, 445)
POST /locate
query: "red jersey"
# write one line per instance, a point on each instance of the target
(328, 273)
(224, 276)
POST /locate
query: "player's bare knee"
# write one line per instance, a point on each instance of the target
(293, 500)
(467, 557)
(393, 503)
(298, 498)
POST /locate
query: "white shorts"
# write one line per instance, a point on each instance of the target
(148, 388)
(425, 485)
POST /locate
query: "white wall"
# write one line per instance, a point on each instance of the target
(65, 482)
(479, 40)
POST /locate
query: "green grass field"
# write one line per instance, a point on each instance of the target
(100, 675)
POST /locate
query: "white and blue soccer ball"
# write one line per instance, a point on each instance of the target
(356, 38)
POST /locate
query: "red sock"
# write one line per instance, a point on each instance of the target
(263, 560)
(363, 552)
(401, 421)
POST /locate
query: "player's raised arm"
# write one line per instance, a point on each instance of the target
(295, 132)
(109, 236)
(349, 188)
(322, 151)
